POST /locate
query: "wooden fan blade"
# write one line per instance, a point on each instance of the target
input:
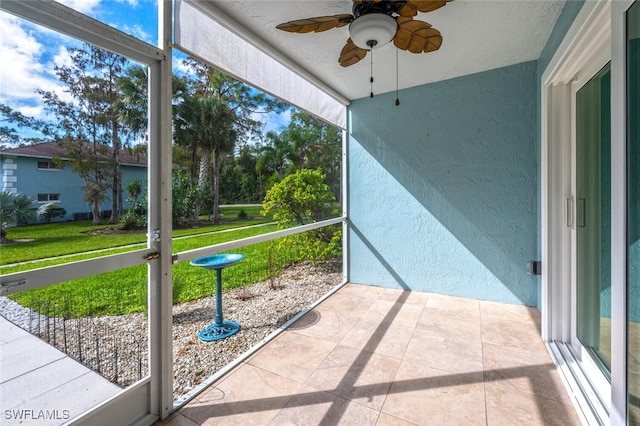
(414, 6)
(416, 36)
(317, 24)
(351, 54)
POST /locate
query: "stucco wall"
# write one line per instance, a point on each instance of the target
(443, 188)
(21, 174)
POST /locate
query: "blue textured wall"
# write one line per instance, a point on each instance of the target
(443, 188)
(31, 181)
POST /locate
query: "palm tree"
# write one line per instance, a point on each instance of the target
(94, 195)
(207, 128)
(15, 207)
(275, 155)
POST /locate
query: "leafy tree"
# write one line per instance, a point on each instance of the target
(301, 198)
(305, 143)
(136, 216)
(217, 113)
(12, 120)
(212, 131)
(134, 100)
(95, 193)
(184, 197)
(314, 144)
(275, 155)
(91, 119)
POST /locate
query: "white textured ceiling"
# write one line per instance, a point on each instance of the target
(478, 35)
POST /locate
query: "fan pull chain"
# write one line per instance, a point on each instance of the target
(371, 73)
(397, 79)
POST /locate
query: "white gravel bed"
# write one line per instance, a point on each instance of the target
(260, 309)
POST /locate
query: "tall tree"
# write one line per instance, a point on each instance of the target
(12, 120)
(90, 121)
(305, 143)
(218, 112)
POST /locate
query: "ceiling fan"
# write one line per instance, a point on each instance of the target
(374, 23)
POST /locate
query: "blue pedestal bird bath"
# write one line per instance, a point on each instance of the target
(220, 329)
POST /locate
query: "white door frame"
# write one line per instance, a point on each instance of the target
(579, 56)
(619, 324)
(598, 28)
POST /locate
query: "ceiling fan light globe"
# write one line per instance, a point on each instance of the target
(373, 30)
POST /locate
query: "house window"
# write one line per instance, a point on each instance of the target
(47, 198)
(47, 165)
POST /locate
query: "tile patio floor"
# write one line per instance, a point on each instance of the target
(374, 356)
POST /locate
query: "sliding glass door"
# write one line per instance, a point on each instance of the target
(593, 220)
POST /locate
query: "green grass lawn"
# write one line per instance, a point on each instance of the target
(125, 291)
(66, 238)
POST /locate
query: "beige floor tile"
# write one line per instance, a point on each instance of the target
(248, 396)
(516, 333)
(510, 407)
(177, 420)
(383, 338)
(507, 311)
(457, 304)
(362, 358)
(396, 312)
(293, 355)
(360, 376)
(447, 321)
(327, 325)
(362, 290)
(388, 420)
(530, 372)
(347, 304)
(444, 351)
(313, 407)
(403, 296)
(425, 396)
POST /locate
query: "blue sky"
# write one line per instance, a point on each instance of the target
(30, 52)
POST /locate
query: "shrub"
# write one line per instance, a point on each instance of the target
(131, 220)
(304, 197)
(185, 197)
(136, 216)
(50, 211)
(242, 214)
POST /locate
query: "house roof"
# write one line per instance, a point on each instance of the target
(52, 149)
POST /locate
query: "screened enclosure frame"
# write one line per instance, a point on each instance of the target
(151, 398)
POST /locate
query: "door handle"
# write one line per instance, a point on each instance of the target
(569, 212)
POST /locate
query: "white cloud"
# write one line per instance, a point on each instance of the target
(32, 111)
(30, 66)
(62, 58)
(20, 52)
(132, 3)
(137, 31)
(276, 122)
(84, 6)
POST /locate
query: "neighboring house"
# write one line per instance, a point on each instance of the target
(31, 170)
